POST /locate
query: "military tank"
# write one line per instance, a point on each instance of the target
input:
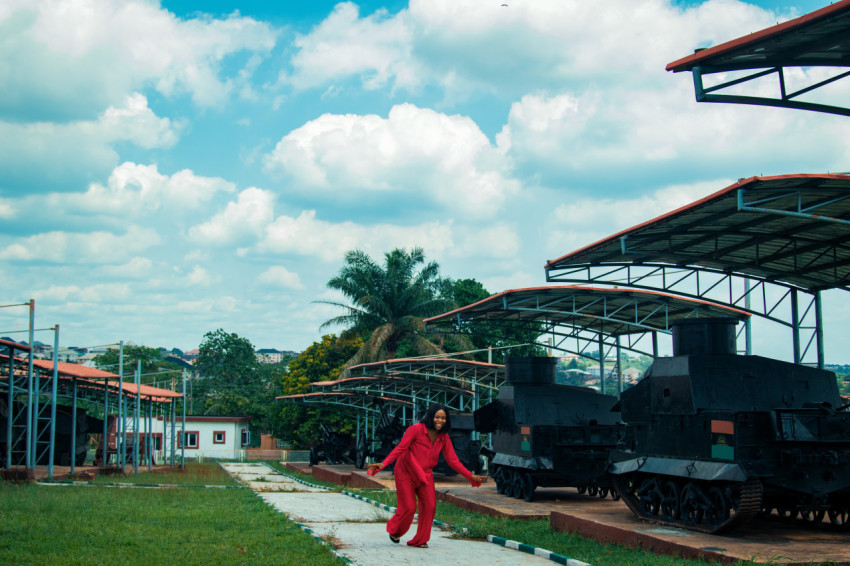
(546, 434)
(715, 438)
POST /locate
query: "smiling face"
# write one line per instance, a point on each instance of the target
(439, 420)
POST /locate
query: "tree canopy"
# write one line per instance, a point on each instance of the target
(388, 303)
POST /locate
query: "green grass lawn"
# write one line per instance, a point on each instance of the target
(96, 524)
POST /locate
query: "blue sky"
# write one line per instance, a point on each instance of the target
(167, 169)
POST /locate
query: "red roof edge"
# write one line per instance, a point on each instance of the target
(686, 63)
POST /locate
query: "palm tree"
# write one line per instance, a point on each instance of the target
(388, 304)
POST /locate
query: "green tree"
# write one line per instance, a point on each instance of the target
(387, 303)
(322, 361)
(231, 380)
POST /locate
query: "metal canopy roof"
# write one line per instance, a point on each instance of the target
(752, 245)
(407, 382)
(790, 229)
(818, 39)
(615, 312)
(590, 316)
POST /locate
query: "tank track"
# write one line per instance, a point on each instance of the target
(837, 519)
(677, 502)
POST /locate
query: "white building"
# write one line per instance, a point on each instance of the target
(206, 436)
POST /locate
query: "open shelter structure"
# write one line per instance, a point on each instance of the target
(587, 321)
(405, 385)
(35, 393)
(818, 39)
(766, 245)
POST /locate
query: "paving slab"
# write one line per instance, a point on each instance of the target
(325, 507)
(367, 544)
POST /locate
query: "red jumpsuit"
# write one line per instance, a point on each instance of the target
(415, 459)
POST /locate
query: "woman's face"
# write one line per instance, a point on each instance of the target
(439, 420)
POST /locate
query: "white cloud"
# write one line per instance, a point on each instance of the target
(585, 221)
(100, 49)
(102, 293)
(308, 236)
(138, 267)
(498, 240)
(58, 150)
(199, 277)
(464, 45)
(94, 247)
(141, 189)
(413, 150)
(248, 215)
(377, 47)
(279, 276)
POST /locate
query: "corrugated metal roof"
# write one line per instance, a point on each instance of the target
(821, 38)
(614, 312)
(788, 229)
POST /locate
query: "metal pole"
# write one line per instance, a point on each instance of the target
(137, 378)
(29, 458)
(795, 328)
(105, 444)
(183, 428)
(148, 437)
(601, 365)
(121, 425)
(10, 407)
(52, 447)
(748, 324)
(74, 426)
(619, 368)
(819, 328)
(173, 424)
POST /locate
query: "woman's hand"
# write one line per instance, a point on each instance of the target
(479, 479)
(373, 469)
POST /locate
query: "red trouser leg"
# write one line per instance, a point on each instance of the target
(427, 508)
(400, 522)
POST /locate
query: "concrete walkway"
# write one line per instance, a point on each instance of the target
(356, 529)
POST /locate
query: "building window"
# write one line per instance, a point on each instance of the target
(246, 437)
(218, 437)
(191, 439)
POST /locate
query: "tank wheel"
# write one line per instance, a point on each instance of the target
(649, 496)
(786, 514)
(314, 455)
(527, 486)
(603, 492)
(839, 518)
(615, 495)
(517, 485)
(718, 512)
(581, 489)
(592, 490)
(813, 516)
(499, 477)
(692, 505)
(670, 497)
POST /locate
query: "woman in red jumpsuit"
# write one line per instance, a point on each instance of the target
(415, 458)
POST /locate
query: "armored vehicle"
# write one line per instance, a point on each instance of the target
(546, 434)
(714, 438)
(334, 448)
(388, 434)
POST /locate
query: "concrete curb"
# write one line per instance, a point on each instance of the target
(527, 548)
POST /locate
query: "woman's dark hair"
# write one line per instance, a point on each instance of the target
(428, 419)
